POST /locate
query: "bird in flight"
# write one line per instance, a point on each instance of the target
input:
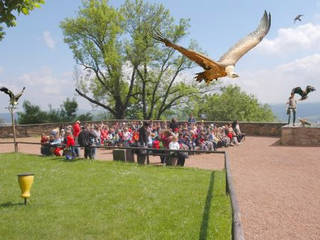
(303, 93)
(13, 98)
(298, 18)
(225, 65)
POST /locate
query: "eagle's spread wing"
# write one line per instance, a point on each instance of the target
(7, 91)
(298, 90)
(199, 58)
(19, 94)
(310, 89)
(247, 43)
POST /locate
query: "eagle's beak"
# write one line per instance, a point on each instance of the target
(234, 75)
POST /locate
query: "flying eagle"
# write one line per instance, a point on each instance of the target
(13, 98)
(298, 18)
(225, 65)
(303, 93)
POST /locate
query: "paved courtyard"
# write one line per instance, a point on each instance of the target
(278, 188)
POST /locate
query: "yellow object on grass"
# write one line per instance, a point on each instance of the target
(25, 181)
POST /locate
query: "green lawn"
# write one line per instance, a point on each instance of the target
(111, 200)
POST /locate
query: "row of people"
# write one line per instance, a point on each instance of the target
(190, 136)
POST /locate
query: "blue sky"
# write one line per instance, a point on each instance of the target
(34, 55)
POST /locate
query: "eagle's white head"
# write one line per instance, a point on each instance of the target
(230, 72)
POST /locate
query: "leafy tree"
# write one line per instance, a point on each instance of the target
(127, 71)
(66, 113)
(233, 104)
(9, 7)
(31, 114)
(69, 110)
(85, 117)
(53, 115)
(93, 38)
(157, 66)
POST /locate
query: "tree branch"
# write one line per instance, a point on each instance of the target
(95, 102)
(170, 104)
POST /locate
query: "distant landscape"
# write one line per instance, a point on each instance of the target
(5, 117)
(310, 111)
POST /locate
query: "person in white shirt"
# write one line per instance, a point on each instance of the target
(292, 104)
(173, 145)
(126, 137)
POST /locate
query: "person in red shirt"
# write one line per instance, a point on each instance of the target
(76, 130)
(70, 153)
(45, 146)
(104, 134)
(156, 143)
(166, 138)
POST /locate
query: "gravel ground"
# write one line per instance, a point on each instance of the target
(278, 188)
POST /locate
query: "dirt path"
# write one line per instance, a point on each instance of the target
(278, 188)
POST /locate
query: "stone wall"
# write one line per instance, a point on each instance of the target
(300, 136)
(250, 128)
(261, 129)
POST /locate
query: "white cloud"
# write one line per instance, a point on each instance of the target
(44, 87)
(290, 40)
(273, 85)
(48, 39)
(44, 80)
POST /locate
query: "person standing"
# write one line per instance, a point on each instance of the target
(292, 105)
(94, 141)
(70, 154)
(166, 138)
(174, 125)
(76, 131)
(173, 145)
(191, 119)
(85, 140)
(143, 141)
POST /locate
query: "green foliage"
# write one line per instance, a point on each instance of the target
(68, 110)
(32, 114)
(125, 67)
(85, 117)
(93, 37)
(233, 104)
(9, 7)
(111, 200)
(66, 113)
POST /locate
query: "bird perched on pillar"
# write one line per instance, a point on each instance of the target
(225, 65)
(303, 93)
(13, 98)
(304, 122)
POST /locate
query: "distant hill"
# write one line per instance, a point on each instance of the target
(310, 111)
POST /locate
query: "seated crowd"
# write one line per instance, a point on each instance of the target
(189, 135)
